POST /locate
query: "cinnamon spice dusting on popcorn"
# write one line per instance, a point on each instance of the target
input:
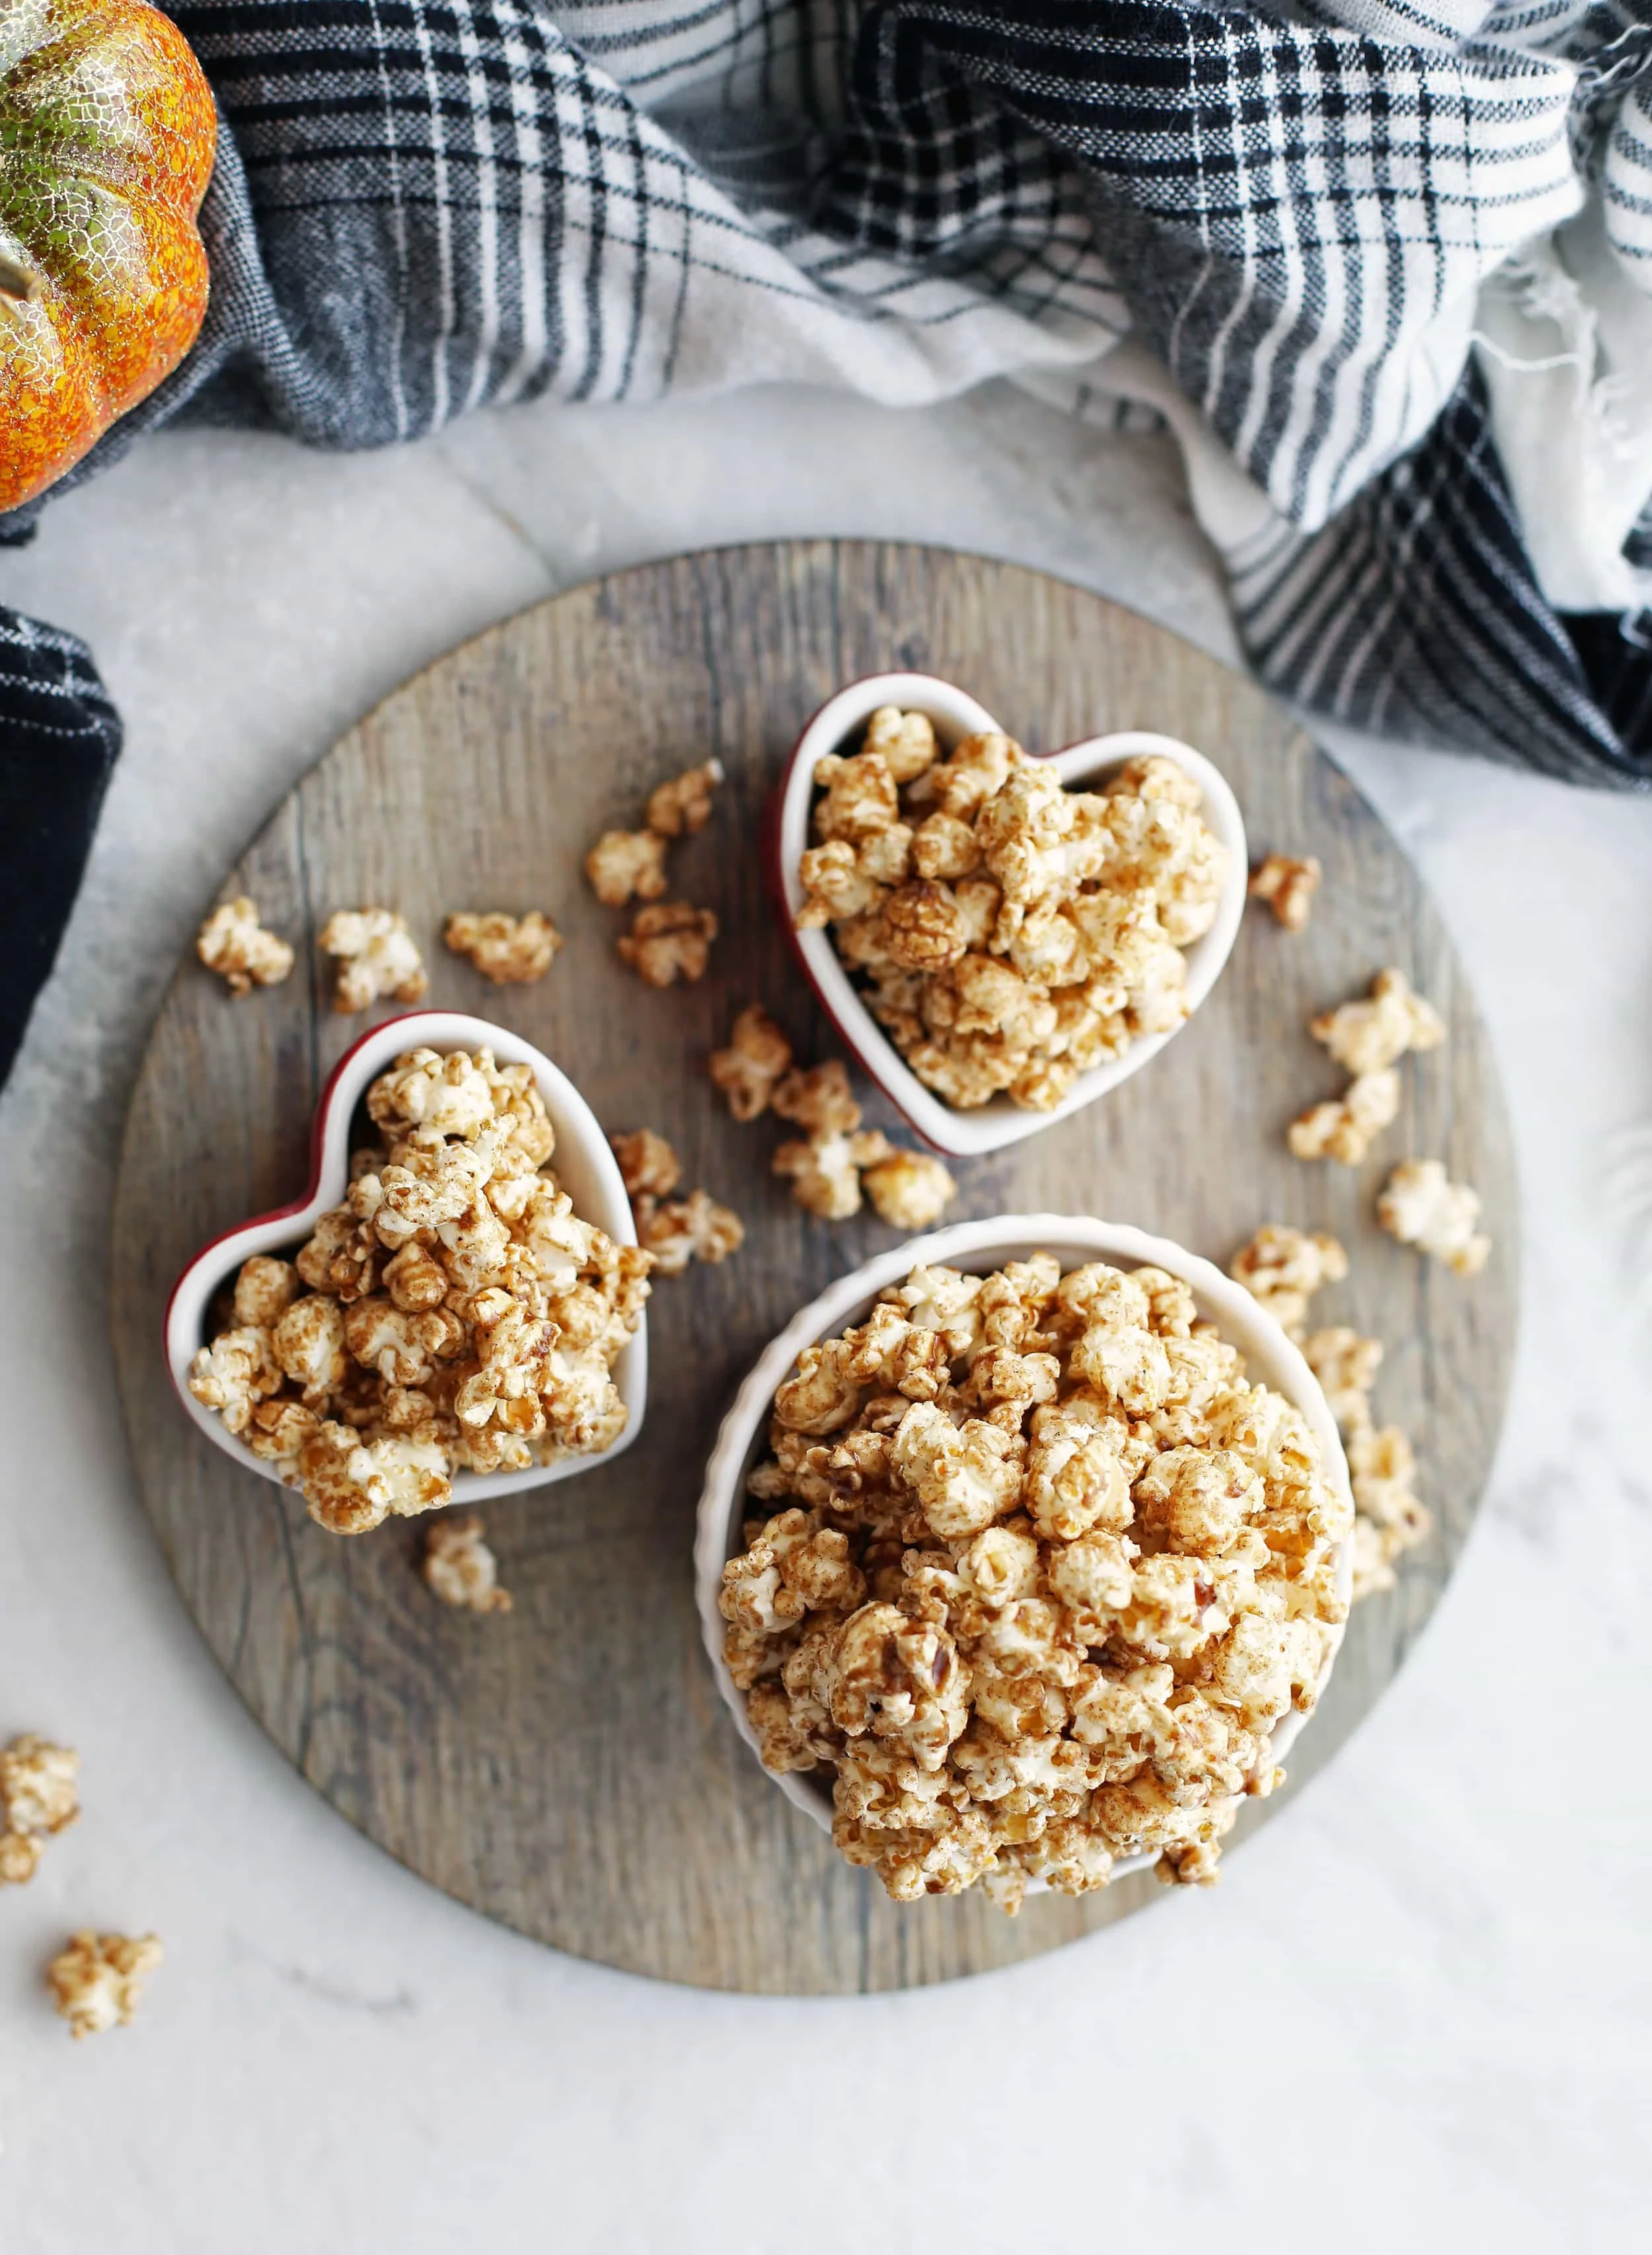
(1041, 1573)
(668, 941)
(1346, 1130)
(377, 956)
(39, 1794)
(674, 1231)
(1288, 887)
(511, 951)
(1009, 934)
(460, 1568)
(95, 1980)
(233, 943)
(459, 1314)
(1420, 1205)
(758, 1058)
(1284, 1267)
(682, 807)
(1372, 1034)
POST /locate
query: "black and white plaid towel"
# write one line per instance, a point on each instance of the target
(1275, 224)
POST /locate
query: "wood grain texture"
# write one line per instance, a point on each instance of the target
(567, 1768)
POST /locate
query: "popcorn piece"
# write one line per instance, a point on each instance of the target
(819, 1101)
(460, 1568)
(667, 942)
(233, 944)
(680, 807)
(265, 1288)
(626, 865)
(308, 1343)
(1284, 1267)
(694, 1228)
(1345, 1130)
(235, 1373)
(910, 1190)
(923, 927)
(351, 1486)
(1031, 1641)
(1346, 1365)
(649, 1167)
(1288, 887)
(39, 1794)
(376, 957)
(1420, 1206)
(904, 741)
(825, 1172)
(95, 1981)
(1391, 1518)
(758, 1057)
(511, 951)
(859, 798)
(19, 1858)
(1368, 1036)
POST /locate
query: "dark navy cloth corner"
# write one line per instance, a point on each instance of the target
(60, 739)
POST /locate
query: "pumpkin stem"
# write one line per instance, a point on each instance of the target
(17, 280)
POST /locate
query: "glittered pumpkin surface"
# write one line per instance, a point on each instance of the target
(107, 137)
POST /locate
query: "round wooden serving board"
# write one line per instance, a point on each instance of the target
(567, 1768)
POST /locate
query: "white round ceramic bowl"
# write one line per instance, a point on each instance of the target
(583, 1165)
(978, 1247)
(963, 1135)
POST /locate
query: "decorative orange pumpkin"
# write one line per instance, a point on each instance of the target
(107, 137)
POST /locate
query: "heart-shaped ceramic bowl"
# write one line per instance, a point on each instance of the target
(965, 1135)
(977, 1247)
(582, 1164)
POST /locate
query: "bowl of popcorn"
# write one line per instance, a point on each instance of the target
(1022, 1556)
(454, 1311)
(1001, 938)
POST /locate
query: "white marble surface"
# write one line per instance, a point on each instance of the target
(1416, 2006)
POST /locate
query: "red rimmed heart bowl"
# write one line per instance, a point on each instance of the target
(834, 727)
(582, 1163)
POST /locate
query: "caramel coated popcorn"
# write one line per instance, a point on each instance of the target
(757, 1060)
(459, 1314)
(511, 951)
(626, 865)
(1346, 1130)
(910, 1190)
(1041, 1572)
(823, 1168)
(1389, 1518)
(95, 1982)
(668, 941)
(649, 1167)
(460, 1568)
(233, 943)
(1368, 1036)
(673, 1231)
(1420, 1205)
(1008, 933)
(39, 1794)
(680, 807)
(676, 1230)
(1288, 886)
(1284, 1267)
(377, 956)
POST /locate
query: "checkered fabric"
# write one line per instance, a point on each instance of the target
(420, 208)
